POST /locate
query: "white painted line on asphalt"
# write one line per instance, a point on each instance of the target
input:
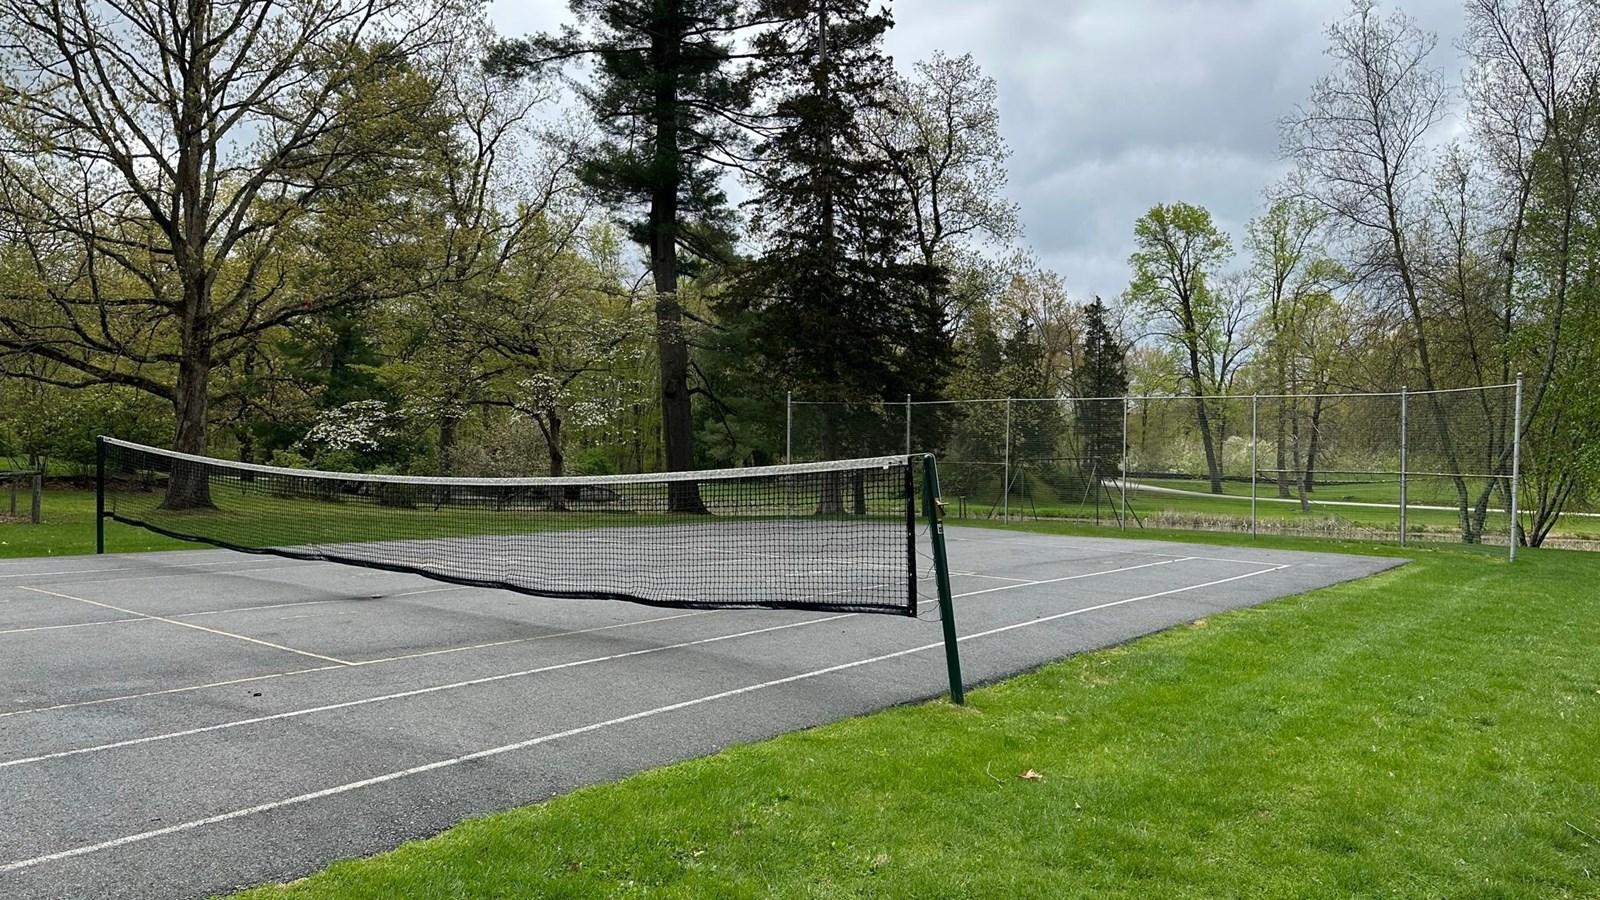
(95, 571)
(417, 692)
(75, 625)
(245, 680)
(488, 679)
(582, 729)
(177, 690)
(982, 575)
(1100, 548)
(1012, 587)
(1100, 606)
(540, 637)
(228, 634)
(153, 575)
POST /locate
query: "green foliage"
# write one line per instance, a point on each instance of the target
(1103, 373)
(838, 306)
(42, 424)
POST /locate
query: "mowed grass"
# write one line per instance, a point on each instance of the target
(1429, 732)
(68, 530)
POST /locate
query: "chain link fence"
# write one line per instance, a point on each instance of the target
(1433, 465)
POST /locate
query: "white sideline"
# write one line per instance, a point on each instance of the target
(583, 729)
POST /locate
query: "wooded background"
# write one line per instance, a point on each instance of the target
(375, 235)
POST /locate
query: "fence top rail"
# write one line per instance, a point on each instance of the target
(19, 473)
(1163, 396)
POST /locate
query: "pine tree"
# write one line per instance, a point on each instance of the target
(668, 98)
(837, 305)
(1103, 373)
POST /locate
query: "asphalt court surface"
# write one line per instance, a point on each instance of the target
(176, 725)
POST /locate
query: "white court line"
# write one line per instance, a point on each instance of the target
(572, 732)
(538, 637)
(417, 692)
(134, 612)
(489, 679)
(141, 617)
(159, 575)
(981, 575)
(1103, 549)
(230, 682)
(144, 568)
(233, 681)
(75, 625)
(1009, 587)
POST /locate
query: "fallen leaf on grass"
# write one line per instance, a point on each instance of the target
(1030, 775)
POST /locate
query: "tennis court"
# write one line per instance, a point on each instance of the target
(179, 724)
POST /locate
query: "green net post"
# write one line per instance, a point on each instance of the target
(933, 503)
(99, 495)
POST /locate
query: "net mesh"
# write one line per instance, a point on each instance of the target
(836, 536)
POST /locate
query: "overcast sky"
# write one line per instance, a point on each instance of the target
(1113, 106)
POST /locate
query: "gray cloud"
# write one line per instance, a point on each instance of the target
(1113, 106)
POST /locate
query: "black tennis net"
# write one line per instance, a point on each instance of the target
(837, 536)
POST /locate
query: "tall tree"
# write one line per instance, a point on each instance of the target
(670, 105)
(160, 154)
(1101, 375)
(1179, 250)
(1532, 102)
(1361, 151)
(842, 307)
(1291, 273)
(939, 132)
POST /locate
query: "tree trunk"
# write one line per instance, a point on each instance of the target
(1308, 478)
(830, 490)
(1204, 420)
(1299, 478)
(677, 424)
(189, 486)
(449, 440)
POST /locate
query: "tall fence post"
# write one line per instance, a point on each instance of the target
(1005, 495)
(1254, 440)
(1402, 466)
(1516, 467)
(908, 424)
(788, 428)
(1126, 402)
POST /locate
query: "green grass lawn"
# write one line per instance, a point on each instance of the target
(1429, 732)
(68, 530)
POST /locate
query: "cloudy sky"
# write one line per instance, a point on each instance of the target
(1113, 106)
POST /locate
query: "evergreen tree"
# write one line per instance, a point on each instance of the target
(1103, 373)
(837, 306)
(668, 100)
